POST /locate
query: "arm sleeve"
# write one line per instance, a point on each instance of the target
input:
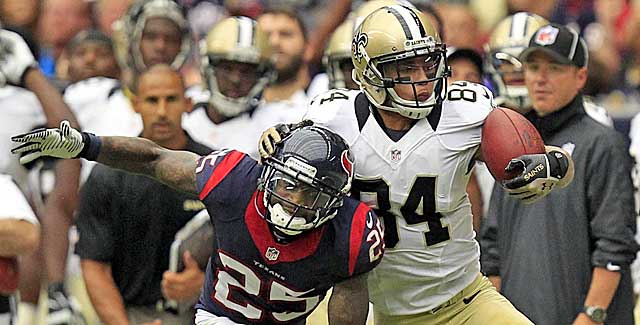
(489, 250)
(95, 220)
(610, 202)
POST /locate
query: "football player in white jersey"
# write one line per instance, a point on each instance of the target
(236, 66)
(415, 140)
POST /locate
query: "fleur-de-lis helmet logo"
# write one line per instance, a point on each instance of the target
(359, 42)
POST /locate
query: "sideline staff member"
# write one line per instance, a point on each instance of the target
(580, 241)
(127, 222)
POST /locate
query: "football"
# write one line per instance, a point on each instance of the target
(507, 134)
(8, 275)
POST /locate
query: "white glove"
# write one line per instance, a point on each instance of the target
(541, 174)
(65, 142)
(15, 58)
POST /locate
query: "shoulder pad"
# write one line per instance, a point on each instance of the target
(463, 113)
(467, 102)
(335, 110)
(215, 167)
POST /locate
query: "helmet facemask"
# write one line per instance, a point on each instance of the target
(339, 73)
(507, 77)
(414, 72)
(381, 60)
(236, 65)
(295, 199)
(135, 26)
(216, 69)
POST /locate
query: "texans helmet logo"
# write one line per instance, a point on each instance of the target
(347, 164)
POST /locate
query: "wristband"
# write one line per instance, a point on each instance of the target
(91, 148)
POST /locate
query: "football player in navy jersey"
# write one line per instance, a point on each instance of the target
(285, 230)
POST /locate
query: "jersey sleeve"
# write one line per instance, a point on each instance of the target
(361, 241)
(463, 114)
(214, 168)
(335, 110)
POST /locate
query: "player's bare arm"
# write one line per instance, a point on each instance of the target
(349, 302)
(142, 156)
(136, 155)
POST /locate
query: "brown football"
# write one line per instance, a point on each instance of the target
(507, 134)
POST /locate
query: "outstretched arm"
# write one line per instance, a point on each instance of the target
(142, 156)
(136, 155)
(349, 302)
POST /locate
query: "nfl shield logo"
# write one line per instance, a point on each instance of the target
(546, 35)
(272, 253)
(396, 155)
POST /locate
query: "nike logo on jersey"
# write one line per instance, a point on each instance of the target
(470, 298)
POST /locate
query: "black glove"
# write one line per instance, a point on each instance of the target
(541, 173)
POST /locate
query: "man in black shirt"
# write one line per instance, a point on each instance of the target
(127, 222)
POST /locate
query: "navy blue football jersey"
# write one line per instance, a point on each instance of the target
(251, 278)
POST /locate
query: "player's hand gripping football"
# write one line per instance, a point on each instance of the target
(15, 58)
(541, 174)
(275, 134)
(62, 142)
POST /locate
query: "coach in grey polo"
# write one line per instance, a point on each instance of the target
(565, 259)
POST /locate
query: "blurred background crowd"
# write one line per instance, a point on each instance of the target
(608, 26)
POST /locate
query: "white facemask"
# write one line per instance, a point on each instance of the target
(280, 218)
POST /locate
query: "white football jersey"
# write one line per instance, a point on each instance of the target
(102, 108)
(243, 132)
(418, 186)
(21, 112)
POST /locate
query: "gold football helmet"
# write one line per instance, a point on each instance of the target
(397, 46)
(239, 42)
(128, 32)
(337, 55)
(509, 38)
